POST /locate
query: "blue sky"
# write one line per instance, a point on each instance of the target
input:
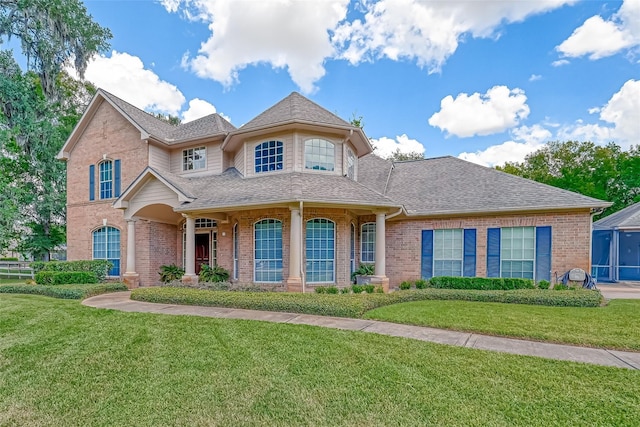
(488, 81)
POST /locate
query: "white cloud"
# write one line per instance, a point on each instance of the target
(385, 147)
(197, 108)
(287, 34)
(527, 140)
(124, 75)
(622, 113)
(560, 63)
(497, 110)
(300, 36)
(599, 38)
(427, 32)
(535, 77)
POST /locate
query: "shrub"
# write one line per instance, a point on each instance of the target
(170, 273)
(363, 270)
(332, 290)
(544, 284)
(99, 267)
(357, 289)
(369, 288)
(213, 274)
(405, 285)
(378, 290)
(65, 277)
(64, 291)
(480, 283)
(320, 290)
(421, 284)
(561, 287)
(9, 259)
(346, 290)
(357, 304)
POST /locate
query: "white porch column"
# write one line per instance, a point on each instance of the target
(130, 277)
(190, 252)
(131, 246)
(294, 281)
(380, 244)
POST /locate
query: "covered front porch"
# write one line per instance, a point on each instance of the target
(295, 245)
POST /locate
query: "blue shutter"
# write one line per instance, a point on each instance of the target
(493, 252)
(427, 254)
(117, 178)
(92, 182)
(543, 253)
(469, 260)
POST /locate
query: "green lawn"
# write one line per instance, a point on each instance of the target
(65, 364)
(613, 326)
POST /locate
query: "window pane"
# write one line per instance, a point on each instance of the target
(106, 179)
(268, 251)
(518, 252)
(319, 154)
(106, 245)
(447, 252)
(320, 243)
(368, 243)
(269, 156)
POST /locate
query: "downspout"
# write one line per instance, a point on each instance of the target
(395, 214)
(302, 278)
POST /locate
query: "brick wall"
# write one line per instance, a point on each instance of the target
(569, 246)
(107, 135)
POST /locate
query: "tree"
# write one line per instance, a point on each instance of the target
(399, 156)
(52, 34)
(604, 172)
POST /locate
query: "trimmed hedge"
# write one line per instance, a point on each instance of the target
(480, 283)
(355, 305)
(100, 267)
(65, 277)
(64, 291)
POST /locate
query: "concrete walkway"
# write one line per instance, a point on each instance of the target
(620, 290)
(621, 359)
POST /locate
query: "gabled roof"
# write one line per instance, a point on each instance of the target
(448, 185)
(294, 107)
(149, 126)
(175, 183)
(628, 217)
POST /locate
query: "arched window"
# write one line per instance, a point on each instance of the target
(269, 156)
(320, 251)
(268, 251)
(368, 243)
(105, 169)
(319, 154)
(106, 245)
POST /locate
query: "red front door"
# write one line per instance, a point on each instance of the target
(202, 251)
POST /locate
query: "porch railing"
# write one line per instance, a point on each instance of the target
(15, 270)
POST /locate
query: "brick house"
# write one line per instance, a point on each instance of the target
(295, 198)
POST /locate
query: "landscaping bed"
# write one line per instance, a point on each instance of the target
(355, 305)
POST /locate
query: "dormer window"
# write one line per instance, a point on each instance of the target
(194, 158)
(269, 156)
(319, 154)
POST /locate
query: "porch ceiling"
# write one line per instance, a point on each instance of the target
(159, 213)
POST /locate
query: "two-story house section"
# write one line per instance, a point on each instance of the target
(296, 198)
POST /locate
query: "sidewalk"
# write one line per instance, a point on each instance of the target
(621, 359)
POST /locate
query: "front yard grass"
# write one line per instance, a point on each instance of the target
(65, 364)
(61, 291)
(614, 326)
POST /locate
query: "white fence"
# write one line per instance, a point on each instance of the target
(15, 270)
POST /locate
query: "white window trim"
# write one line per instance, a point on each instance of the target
(254, 251)
(334, 251)
(113, 180)
(284, 157)
(304, 157)
(184, 154)
(107, 250)
(461, 259)
(362, 261)
(519, 260)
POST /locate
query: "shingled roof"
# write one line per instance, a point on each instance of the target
(210, 125)
(231, 189)
(295, 107)
(448, 185)
(628, 217)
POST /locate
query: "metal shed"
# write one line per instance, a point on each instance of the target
(616, 246)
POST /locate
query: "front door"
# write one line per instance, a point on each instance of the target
(202, 251)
